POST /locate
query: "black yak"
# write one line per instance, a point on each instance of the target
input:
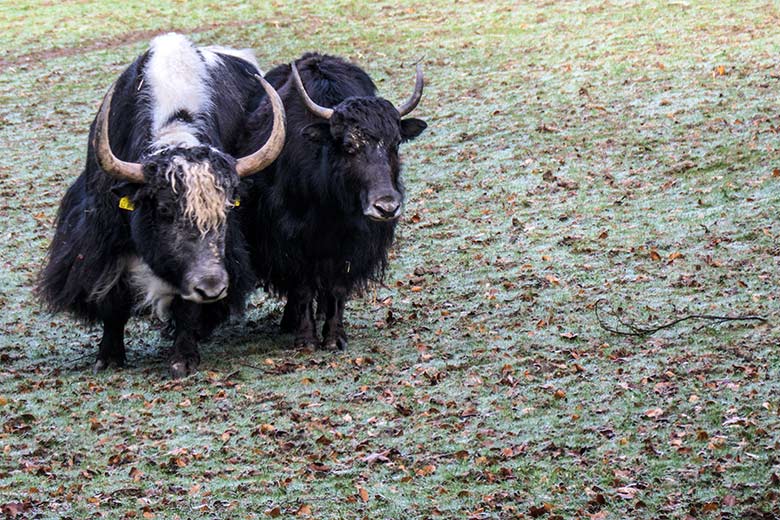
(324, 213)
(150, 222)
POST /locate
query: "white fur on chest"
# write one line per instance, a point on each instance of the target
(152, 291)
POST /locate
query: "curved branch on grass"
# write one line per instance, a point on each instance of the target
(634, 330)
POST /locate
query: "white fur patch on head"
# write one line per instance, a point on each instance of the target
(177, 78)
(211, 55)
(179, 81)
(176, 133)
(204, 199)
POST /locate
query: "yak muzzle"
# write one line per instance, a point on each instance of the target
(207, 288)
(384, 208)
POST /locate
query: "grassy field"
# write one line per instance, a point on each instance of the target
(576, 152)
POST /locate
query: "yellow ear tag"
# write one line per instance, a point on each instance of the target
(126, 203)
(237, 203)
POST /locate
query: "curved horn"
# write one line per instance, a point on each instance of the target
(311, 105)
(418, 90)
(110, 163)
(273, 146)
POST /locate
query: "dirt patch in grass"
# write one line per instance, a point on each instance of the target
(40, 56)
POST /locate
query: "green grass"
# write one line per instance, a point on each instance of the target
(567, 141)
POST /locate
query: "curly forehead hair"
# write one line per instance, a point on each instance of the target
(376, 118)
(202, 175)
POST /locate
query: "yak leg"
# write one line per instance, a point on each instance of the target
(112, 344)
(185, 358)
(322, 305)
(302, 300)
(333, 334)
(289, 318)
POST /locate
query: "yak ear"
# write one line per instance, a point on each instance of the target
(412, 127)
(125, 189)
(317, 132)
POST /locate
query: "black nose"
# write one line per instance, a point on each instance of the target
(211, 287)
(387, 206)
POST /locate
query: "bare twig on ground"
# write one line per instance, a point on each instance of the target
(230, 375)
(633, 330)
(73, 364)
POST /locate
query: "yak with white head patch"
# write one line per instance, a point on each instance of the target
(149, 223)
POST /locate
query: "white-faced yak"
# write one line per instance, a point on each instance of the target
(150, 223)
(324, 213)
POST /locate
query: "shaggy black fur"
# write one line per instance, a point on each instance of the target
(307, 222)
(86, 273)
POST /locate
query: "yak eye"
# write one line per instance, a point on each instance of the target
(165, 210)
(350, 148)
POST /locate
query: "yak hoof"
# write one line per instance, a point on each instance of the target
(103, 364)
(305, 342)
(183, 368)
(100, 365)
(337, 343)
